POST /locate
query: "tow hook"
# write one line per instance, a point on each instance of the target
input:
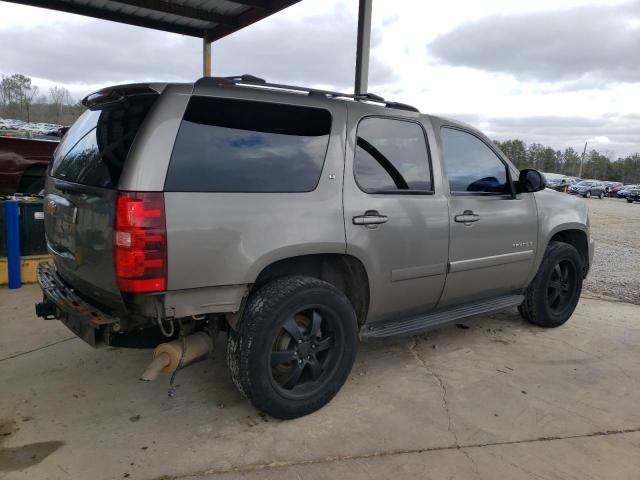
(168, 357)
(47, 310)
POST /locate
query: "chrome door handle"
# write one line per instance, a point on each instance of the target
(370, 217)
(467, 217)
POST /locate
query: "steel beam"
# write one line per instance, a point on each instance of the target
(363, 46)
(180, 10)
(104, 14)
(222, 24)
(249, 17)
(261, 4)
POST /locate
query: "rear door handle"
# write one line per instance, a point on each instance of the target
(467, 217)
(370, 217)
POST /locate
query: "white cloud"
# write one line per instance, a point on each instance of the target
(600, 140)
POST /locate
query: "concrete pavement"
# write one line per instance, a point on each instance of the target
(501, 399)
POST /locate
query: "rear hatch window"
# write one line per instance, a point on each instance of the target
(94, 150)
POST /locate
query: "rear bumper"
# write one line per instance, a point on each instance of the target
(61, 303)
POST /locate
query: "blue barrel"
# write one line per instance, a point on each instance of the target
(12, 224)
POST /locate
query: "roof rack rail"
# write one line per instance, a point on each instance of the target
(246, 78)
(253, 81)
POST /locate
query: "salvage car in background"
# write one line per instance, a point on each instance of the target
(559, 184)
(588, 188)
(23, 163)
(608, 186)
(613, 192)
(623, 192)
(633, 195)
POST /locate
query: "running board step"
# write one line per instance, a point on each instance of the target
(438, 318)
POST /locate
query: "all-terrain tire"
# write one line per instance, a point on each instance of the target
(251, 344)
(536, 307)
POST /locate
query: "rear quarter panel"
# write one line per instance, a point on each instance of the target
(219, 239)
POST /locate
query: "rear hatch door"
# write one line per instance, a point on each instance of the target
(81, 190)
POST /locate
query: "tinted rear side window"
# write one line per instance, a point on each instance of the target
(94, 150)
(391, 156)
(227, 145)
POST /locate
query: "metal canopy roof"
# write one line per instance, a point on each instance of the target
(210, 19)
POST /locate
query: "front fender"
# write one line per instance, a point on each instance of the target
(558, 212)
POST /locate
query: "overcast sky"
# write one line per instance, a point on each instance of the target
(558, 72)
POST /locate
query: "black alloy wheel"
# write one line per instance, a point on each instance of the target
(553, 294)
(561, 286)
(305, 351)
(294, 346)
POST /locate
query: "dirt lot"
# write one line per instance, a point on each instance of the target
(615, 226)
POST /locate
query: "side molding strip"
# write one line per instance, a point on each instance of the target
(418, 272)
(484, 262)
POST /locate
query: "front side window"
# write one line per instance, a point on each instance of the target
(227, 145)
(391, 156)
(472, 167)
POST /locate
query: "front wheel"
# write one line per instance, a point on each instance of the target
(553, 295)
(294, 346)
(601, 196)
(587, 195)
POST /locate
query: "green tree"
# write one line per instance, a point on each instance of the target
(570, 162)
(597, 164)
(515, 150)
(60, 97)
(548, 160)
(18, 93)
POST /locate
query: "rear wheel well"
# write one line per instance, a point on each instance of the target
(578, 239)
(344, 272)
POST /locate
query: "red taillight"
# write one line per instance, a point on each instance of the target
(140, 242)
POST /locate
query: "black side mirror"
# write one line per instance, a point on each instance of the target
(530, 181)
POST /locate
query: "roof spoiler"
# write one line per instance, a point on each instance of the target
(111, 96)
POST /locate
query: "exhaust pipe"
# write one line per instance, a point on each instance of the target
(166, 356)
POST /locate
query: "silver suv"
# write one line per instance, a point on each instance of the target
(296, 221)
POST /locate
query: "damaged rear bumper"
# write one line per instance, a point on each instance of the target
(61, 303)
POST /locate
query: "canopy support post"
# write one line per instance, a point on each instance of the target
(206, 55)
(363, 46)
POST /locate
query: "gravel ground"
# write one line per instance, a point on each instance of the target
(615, 227)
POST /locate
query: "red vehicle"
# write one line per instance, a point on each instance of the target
(613, 191)
(23, 163)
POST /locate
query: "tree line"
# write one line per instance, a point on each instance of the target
(20, 99)
(595, 165)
